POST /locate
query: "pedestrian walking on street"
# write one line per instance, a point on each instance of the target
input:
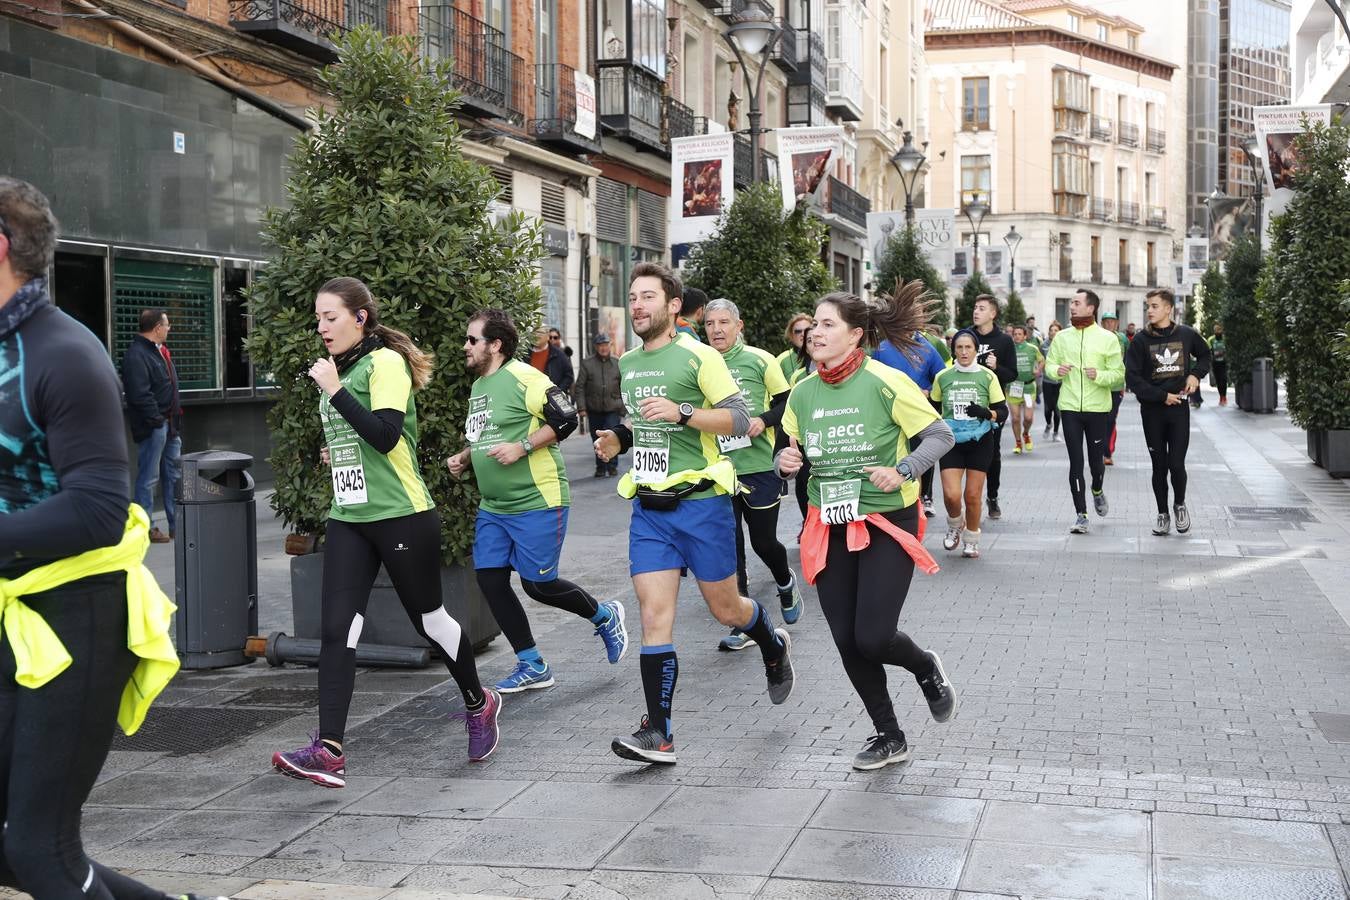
(756, 508)
(1163, 367)
(680, 397)
(855, 419)
(155, 413)
(1050, 386)
(548, 357)
(1218, 373)
(1086, 359)
(1022, 389)
(972, 405)
(381, 514)
(1111, 322)
(597, 392)
(74, 592)
(996, 353)
(517, 418)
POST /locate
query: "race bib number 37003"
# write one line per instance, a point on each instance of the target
(840, 502)
(349, 477)
(651, 455)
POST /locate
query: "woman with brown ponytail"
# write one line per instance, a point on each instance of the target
(382, 513)
(855, 420)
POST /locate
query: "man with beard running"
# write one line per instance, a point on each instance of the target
(995, 352)
(517, 416)
(680, 397)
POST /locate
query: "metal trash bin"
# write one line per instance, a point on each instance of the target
(1264, 397)
(215, 560)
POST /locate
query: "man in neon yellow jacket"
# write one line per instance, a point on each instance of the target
(1087, 360)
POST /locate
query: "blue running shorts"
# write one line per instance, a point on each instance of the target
(699, 535)
(529, 542)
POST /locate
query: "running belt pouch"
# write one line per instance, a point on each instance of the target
(665, 501)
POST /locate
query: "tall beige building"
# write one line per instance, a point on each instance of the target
(1054, 116)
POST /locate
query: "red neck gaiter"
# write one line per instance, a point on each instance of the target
(852, 363)
(1082, 321)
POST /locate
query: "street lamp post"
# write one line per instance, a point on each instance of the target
(753, 35)
(908, 162)
(975, 211)
(1258, 186)
(1012, 240)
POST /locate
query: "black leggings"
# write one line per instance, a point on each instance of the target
(53, 741)
(1050, 391)
(995, 476)
(1094, 429)
(763, 524)
(861, 595)
(410, 549)
(510, 614)
(1116, 398)
(1221, 378)
(1167, 432)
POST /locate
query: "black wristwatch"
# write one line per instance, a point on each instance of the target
(686, 413)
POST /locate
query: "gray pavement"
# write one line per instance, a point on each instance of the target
(1140, 717)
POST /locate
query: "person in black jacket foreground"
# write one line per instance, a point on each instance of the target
(995, 352)
(1163, 367)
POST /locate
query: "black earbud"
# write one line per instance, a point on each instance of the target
(360, 318)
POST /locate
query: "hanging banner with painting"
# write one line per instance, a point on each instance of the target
(700, 184)
(1276, 129)
(805, 157)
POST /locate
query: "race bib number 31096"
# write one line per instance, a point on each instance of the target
(651, 455)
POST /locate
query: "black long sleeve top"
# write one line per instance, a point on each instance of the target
(1157, 363)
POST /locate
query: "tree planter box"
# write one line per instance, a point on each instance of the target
(386, 621)
(1244, 397)
(1316, 452)
(1336, 453)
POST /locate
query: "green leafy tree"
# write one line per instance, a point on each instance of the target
(1246, 333)
(902, 262)
(1300, 293)
(965, 304)
(768, 264)
(381, 190)
(1213, 291)
(1014, 313)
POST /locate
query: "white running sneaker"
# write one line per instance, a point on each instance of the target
(953, 538)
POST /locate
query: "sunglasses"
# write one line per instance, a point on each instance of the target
(800, 331)
(473, 341)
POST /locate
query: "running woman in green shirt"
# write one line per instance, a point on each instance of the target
(765, 391)
(854, 419)
(1022, 389)
(680, 398)
(382, 513)
(517, 416)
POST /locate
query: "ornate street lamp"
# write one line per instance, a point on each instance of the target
(975, 211)
(1253, 148)
(753, 35)
(1012, 240)
(908, 162)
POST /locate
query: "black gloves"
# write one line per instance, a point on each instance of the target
(979, 412)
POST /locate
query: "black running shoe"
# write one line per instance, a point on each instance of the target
(881, 750)
(937, 690)
(645, 745)
(779, 674)
(995, 511)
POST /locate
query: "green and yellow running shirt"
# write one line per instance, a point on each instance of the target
(956, 390)
(863, 422)
(369, 485)
(684, 371)
(760, 380)
(787, 363)
(505, 408)
(1028, 355)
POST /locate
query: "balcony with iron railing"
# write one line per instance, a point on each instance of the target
(784, 51)
(975, 118)
(1129, 213)
(742, 170)
(812, 67)
(1127, 134)
(1065, 264)
(679, 119)
(846, 203)
(732, 11)
(1097, 276)
(1102, 209)
(307, 27)
(630, 105)
(1156, 140)
(1124, 274)
(1152, 276)
(493, 81)
(1101, 128)
(555, 110)
(1157, 217)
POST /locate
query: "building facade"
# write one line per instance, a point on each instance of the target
(1051, 113)
(1253, 71)
(1319, 55)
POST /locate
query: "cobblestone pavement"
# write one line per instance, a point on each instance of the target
(1140, 717)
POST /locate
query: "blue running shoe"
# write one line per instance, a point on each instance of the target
(613, 632)
(526, 678)
(791, 603)
(737, 640)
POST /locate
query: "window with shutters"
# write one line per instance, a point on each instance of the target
(506, 179)
(651, 230)
(188, 292)
(611, 211)
(553, 203)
